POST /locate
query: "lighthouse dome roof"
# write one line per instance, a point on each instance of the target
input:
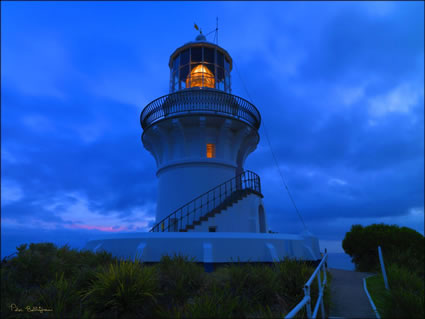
(201, 37)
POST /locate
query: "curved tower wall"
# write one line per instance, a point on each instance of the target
(179, 146)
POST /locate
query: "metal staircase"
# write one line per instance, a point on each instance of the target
(210, 203)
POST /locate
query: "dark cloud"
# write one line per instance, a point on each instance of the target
(354, 43)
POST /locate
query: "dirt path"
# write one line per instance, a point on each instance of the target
(348, 298)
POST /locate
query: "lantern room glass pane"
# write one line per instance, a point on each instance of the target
(220, 59)
(221, 85)
(184, 71)
(196, 54)
(182, 84)
(209, 55)
(176, 81)
(227, 82)
(220, 74)
(184, 57)
(227, 65)
(211, 67)
(176, 63)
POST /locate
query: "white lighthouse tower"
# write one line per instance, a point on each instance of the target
(200, 135)
(208, 207)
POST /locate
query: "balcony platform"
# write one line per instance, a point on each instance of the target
(203, 101)
(209, 248)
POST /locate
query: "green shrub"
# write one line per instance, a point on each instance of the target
(34, 266)
(253, 284)
(37, 264)
(180, 278)
(291, 278)
(124, 288)
(10, 290)
(406, 296)
(61, 296)
(14, 293)
(400, 245)
(216, 303)
(90, 259)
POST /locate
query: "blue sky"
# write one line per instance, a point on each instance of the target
(340, 87)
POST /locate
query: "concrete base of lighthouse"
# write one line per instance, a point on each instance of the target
(209, 248)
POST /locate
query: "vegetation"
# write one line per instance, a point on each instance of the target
(403, 252)
(400, 245)
(82, 284)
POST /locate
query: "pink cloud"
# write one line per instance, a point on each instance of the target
(101, 228)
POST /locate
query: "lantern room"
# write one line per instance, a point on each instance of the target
(200, 64)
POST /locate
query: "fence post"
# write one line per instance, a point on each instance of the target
(384, 274)
(319, 279)
(326, 265)
(308, 304)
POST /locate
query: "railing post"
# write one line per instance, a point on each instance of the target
(384, 273)
(308, 304)
(326, 266)
(319, 282)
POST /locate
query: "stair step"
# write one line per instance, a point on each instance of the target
(213, 212)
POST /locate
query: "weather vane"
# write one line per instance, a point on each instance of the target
(215, 30)
(197, 28)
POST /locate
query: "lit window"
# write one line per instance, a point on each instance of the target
(200, 76)
(210, 150)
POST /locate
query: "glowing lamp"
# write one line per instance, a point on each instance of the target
(200, 77)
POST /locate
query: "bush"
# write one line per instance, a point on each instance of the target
(216, 303)
(61, 296)
(253, 284)
(180, 278)
(400, 245)
(37, 264)
(34, 266)
(406, 297)
(124, 288)
(291, 278)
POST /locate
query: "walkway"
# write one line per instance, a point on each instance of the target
(348, 298)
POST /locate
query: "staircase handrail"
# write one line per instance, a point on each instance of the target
(253, 181)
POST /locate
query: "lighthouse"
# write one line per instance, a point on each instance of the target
(208, 207)
(200, 135)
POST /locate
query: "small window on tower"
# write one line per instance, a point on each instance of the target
(210, 150)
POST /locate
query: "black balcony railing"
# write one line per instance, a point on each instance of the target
(200, 101)
(215, 200)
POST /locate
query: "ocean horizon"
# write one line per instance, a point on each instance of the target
(340, 261)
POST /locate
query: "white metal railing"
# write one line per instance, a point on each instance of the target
(306, 301)
(384, 273)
